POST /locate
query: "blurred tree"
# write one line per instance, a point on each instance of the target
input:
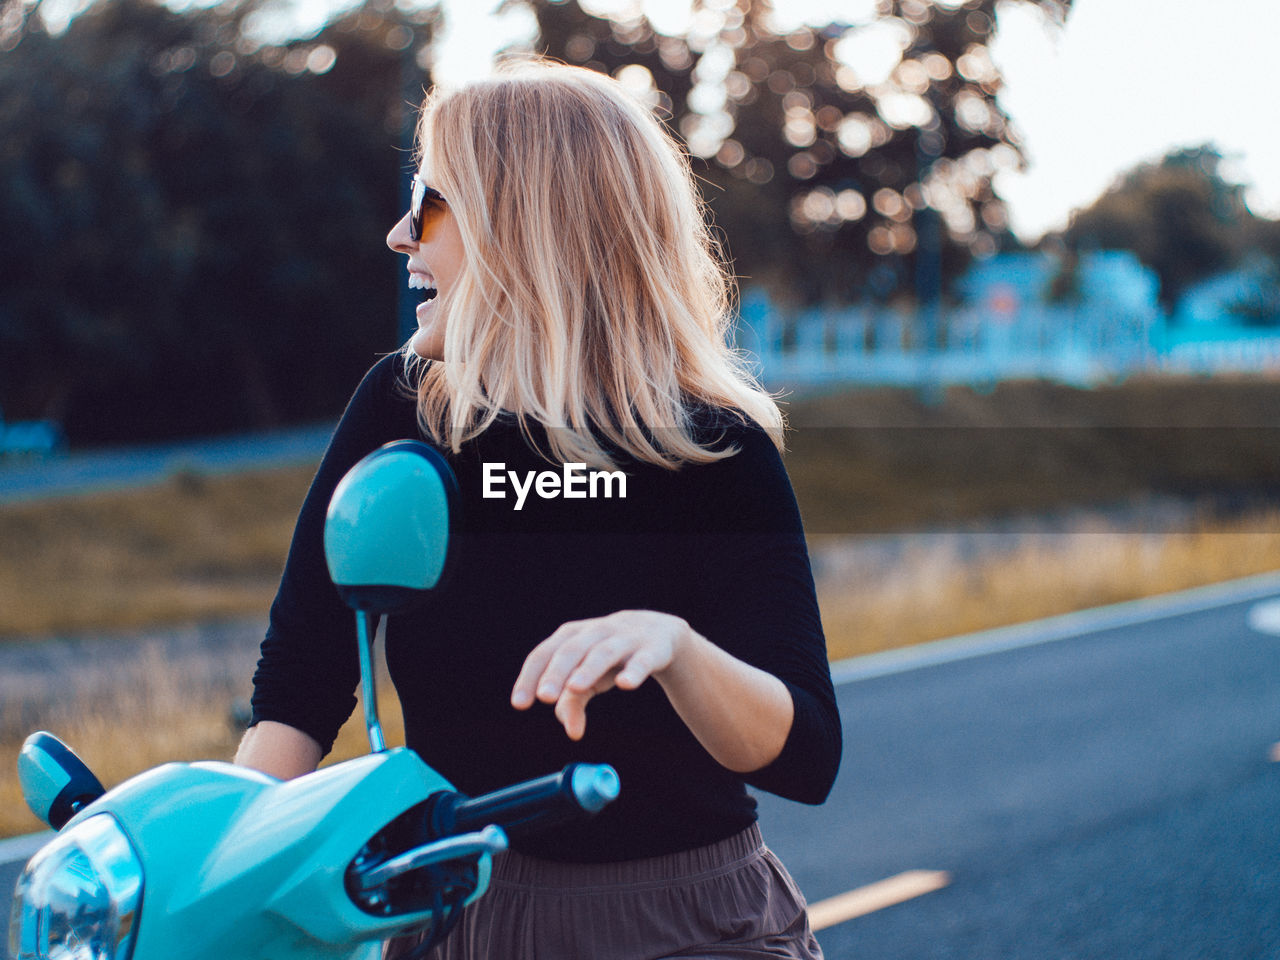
(193, 220)
(842, 160)
(1179, 216)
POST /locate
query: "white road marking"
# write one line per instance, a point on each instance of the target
(1064, 627)
(1265, 617)
(875, 896)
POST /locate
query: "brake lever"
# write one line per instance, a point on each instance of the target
(492, 839)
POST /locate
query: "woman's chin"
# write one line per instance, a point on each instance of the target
(428, 343)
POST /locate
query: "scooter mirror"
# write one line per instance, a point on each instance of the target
(387, 532)
(386, 541)
(55, 782)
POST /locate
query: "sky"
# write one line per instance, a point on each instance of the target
(1124, 82)
(1129, 80)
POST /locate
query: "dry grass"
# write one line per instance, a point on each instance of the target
(877, 461)
(927, 591)
(192, 547)
(931, 592)
(158, 716)
(154, 717)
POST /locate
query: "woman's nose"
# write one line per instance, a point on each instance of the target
(398, 239)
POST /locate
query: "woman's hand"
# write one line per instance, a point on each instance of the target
(586, 657)
(739, 713)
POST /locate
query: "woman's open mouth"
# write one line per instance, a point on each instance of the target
(425, 283)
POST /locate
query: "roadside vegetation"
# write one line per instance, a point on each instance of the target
(933, 591)
(158, 718)
(192, 547)
(926, 591)
(877, 479)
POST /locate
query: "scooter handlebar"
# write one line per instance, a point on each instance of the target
(578, 789)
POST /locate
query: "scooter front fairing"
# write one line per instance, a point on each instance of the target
(236, 864)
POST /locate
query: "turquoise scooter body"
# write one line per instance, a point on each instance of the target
(239, 864)
(190, 861)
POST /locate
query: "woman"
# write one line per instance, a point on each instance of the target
(573, 331)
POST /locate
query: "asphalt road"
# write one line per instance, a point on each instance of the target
(1102, 788)
(122, 468)
(1095, 786)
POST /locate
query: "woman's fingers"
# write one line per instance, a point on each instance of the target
(571, 711)
(586, 657)
(571, 707)
(576, 655)
(592, 642)
(601, 659)
(533, 677)
(640, 667)
(522, 691)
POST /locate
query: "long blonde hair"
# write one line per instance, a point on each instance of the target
(593, 299)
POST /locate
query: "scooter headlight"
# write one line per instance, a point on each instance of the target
(78, 898)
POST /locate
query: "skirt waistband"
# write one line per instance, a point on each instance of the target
(513, 869)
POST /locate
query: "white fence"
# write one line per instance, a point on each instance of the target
(1082, 346)
(1258, 354)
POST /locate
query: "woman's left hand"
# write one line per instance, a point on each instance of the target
(586, 657)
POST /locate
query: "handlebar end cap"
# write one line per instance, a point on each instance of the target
(596, 785)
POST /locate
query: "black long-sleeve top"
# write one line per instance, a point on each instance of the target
(718, 544)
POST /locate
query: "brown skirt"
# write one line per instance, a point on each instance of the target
(730, 899)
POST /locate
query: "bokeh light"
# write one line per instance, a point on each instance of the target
(640, 83)
(875, 50)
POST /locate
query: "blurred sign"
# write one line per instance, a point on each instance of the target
(1003, 303)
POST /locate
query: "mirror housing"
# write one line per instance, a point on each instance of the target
(388, 529)
(56, 783)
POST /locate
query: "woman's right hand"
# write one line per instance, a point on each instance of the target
(278, 750)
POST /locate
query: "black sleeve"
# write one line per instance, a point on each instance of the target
(309, 667)
(759, 603)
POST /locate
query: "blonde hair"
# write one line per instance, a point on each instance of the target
(592, 299)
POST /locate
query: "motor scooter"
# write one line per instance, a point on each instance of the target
(213, 861)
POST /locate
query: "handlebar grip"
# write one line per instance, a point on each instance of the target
(578, 789)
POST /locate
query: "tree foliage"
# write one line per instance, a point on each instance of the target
(830, 180)
(193, 221)
(1180, 216)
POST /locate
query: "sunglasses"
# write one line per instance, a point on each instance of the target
(425, 207)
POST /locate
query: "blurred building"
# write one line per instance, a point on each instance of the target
(1029, 315)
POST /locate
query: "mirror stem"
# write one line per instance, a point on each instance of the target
(367, 626)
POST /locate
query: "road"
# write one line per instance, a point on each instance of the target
(1094, 786)
(1097, 786)
(122, 468)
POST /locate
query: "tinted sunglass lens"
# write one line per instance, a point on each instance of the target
(415, 208)
(425, 205)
